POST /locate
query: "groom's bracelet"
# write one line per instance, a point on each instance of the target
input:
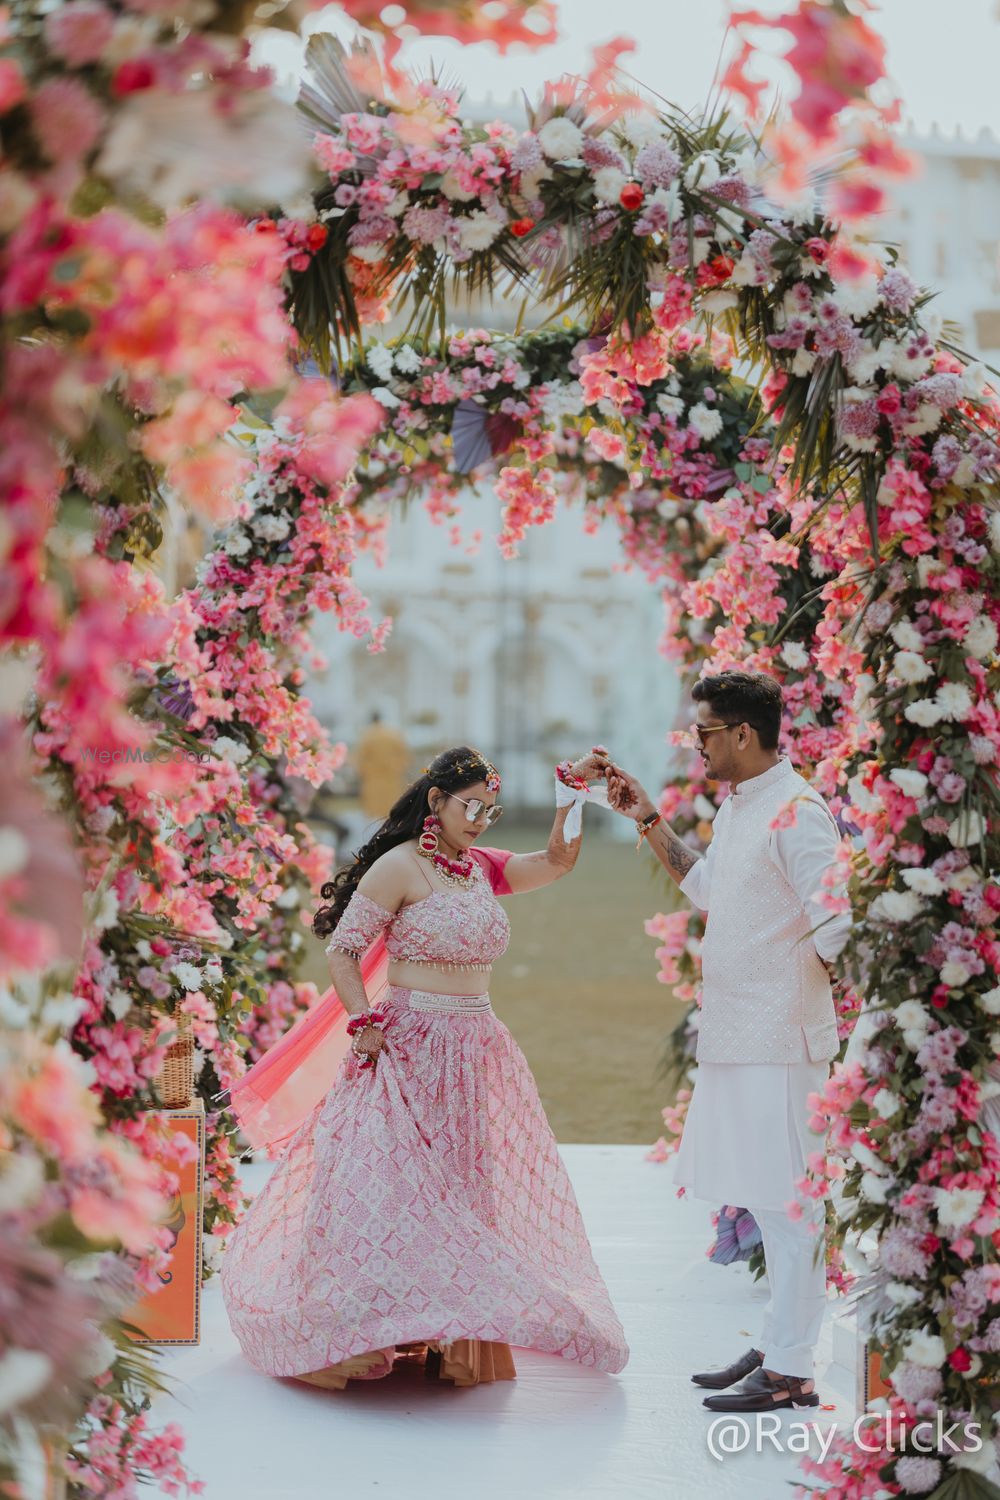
(645, 826)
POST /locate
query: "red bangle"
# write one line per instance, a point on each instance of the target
(366, 1018)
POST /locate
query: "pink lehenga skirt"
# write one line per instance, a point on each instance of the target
(423, 1202)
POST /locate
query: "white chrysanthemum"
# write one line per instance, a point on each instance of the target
(119, 1003)
(886, 1104)
(187, 975)
(703, 172)
(874, 1187)
(990, 1000)
(608, 183)
(379, 360)
(563, 399)
(385, 397)
(722, 301)
(642, 128)
(903, 1295)
(910, 666)
(478, 231)
(954, 974)
(865, 1157)
(925, 1349)
(270, 528)
(974, 378)
(864, 366)
(858, 299)
(907, 636)
(671, 406)
(706, 422)
(912, 1015)
(924, 882)
(795, 655)
(898, 906)
(954, 700)
(963, 880)
(238, 544)
(924, 712)
(560, 139)
(803, 362)
(227, 748)
(968, 828)
(957, 1207)
(407, 360)
(910, 783)
(981, 637)
(864, 800)
(453, 191)
(106, 913)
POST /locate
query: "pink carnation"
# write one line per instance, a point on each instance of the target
(67, 119)
(79, 32)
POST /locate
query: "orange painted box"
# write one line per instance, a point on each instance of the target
(172, 1313)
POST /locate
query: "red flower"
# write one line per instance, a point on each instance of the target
(265, 226)
(316, 236)
(722, 267)
(930, 1244)
(631, 196)
(960, 1359)
(818, 249)
(939, 998)
(520, 227)
(132, 76)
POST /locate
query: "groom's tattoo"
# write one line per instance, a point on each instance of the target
(680, 858)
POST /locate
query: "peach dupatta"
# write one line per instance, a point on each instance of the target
(283, 1087)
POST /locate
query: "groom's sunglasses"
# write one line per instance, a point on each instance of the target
(476, 810)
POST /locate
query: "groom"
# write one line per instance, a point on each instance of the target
(767, 1028)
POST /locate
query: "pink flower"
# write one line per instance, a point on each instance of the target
(79, 32)
(12, 85)
(67, 119)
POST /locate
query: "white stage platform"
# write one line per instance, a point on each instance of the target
(556, 1433)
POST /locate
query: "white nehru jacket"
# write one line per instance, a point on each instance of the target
(766, 996)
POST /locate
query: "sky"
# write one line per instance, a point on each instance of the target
(945, 75)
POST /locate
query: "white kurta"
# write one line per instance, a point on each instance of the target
(746, 1138)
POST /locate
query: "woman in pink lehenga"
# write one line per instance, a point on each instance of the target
(420, 1210)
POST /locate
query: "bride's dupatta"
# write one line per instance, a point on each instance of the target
(283, 1087)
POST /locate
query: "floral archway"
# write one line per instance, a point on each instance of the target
(795, 458)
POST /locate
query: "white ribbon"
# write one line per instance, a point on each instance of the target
(574, 798)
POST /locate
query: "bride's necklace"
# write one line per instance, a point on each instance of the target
(454, 871)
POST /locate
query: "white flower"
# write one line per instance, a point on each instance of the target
(924, 712)
(289, 898)
(706, 422)
(642, 128)
(453, 190)
(954, 974)
(981, 637)
(562, 399)
(954, 700)
(925, 1349)
(106, 914)
(865, 365)
(721, 301)
(379, 361)
(974, 377)
(912, 1015)
(703, 172)
(857, 298)
(608, 183)
(237, 544)
(24, 1373)
(886, 1104)
(907, 636)
(990, 1000)
(385, 397)
(865, 1157)
(120, 1003)
(924, 882)
(910, 783)
(803, 362)
(100, 1355)
(909, 666)
(269, 527)
(864, 800)
(559, 138)
(957, 1206)
(874, 1187)
(21, 1180)
(968, 828)
(928, 567)
(143, 949)
(795, 655)
(903, 1295)
(671, 406)
(408, 361)
(897, 906)
(478, 230)
(234, 751)
(14, 852)
(62, 1011)
(187, 975)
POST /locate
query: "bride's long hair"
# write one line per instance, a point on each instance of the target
(452, 771)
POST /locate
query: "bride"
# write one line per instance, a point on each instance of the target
(421, 1210)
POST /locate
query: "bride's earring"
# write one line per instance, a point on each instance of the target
(428, 840)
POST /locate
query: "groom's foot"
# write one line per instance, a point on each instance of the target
(766, 1390)
(717, 1380)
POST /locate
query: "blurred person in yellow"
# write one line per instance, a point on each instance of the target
(382, 760)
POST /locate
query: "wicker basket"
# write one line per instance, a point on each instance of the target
(175, 1079)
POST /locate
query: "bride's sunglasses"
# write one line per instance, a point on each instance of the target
(476, 810)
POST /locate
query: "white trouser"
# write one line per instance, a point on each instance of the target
(794, 1313)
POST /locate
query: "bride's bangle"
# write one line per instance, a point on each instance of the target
(645, 826)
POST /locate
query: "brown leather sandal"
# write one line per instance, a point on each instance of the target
(760, 1392)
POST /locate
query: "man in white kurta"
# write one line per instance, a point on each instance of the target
(767, 1027)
